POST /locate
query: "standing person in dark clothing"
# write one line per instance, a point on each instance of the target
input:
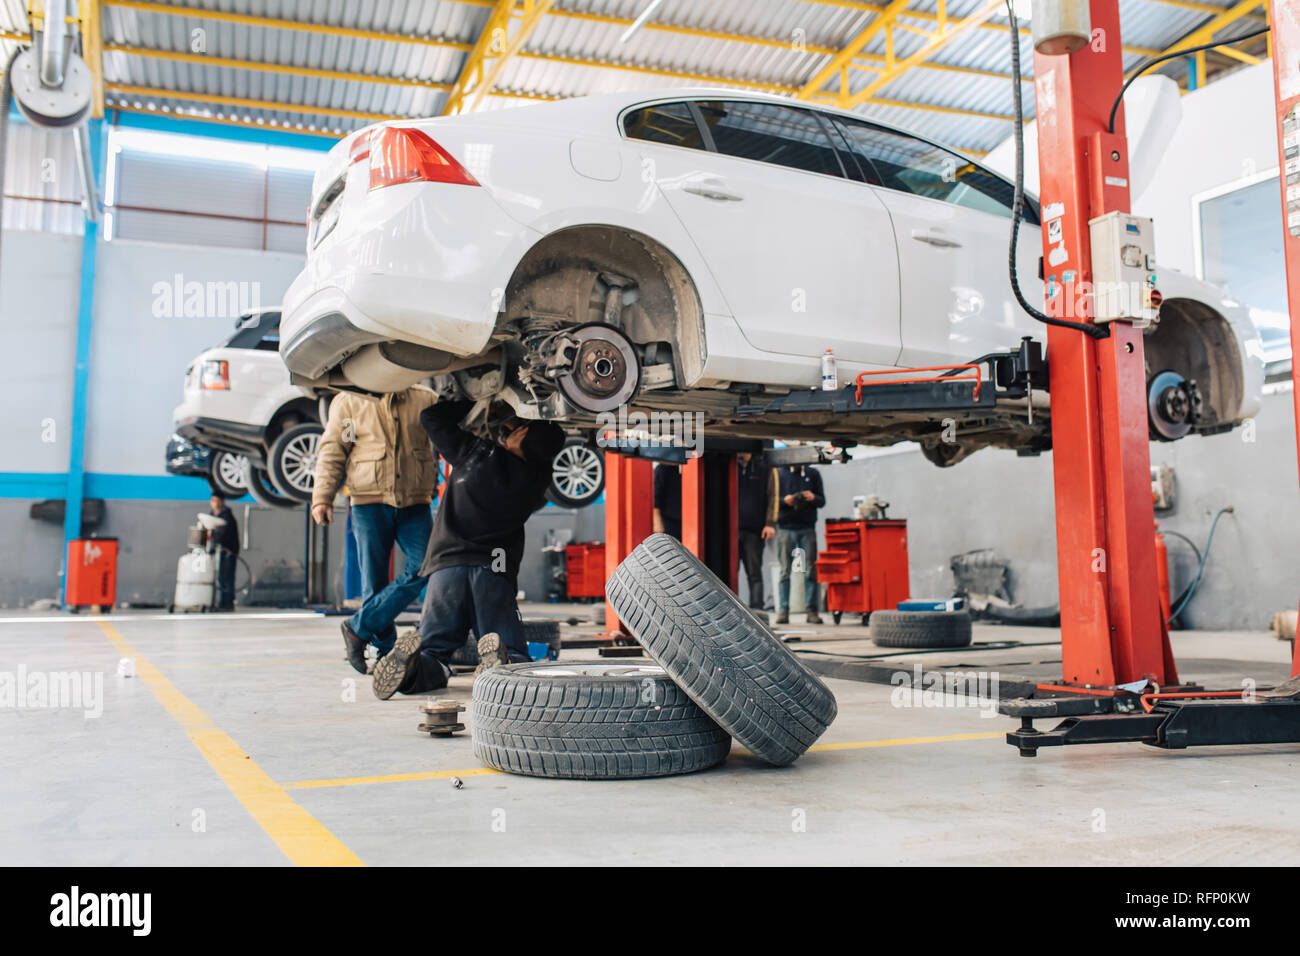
(797, 499)
(668, 500)
(753, 485)
(226, 541)
(475, 549)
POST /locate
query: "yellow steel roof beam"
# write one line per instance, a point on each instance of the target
(273, 23)
(261, 67)
(495, 46)
(272, 105)
(1206, 32)
(840, 62)
(937, 39)
(92, 45)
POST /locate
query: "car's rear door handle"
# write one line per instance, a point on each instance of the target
(935, 239)
(711, 189)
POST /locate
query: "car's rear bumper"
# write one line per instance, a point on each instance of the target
(420, 264)
(235, 437)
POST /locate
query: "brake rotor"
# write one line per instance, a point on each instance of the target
(605, 372)
(1171, 406)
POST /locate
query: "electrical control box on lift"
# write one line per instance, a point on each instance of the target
(1123, 269)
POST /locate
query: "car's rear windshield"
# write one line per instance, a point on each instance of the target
(258, 331)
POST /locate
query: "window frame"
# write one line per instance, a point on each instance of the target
(711, 146)
(839, 143)
(1031, 203)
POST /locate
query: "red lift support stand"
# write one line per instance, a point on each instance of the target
(1112, 630)
(709, 487)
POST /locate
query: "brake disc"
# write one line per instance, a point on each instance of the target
(605, 372)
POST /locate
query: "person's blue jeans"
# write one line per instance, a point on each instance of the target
(378, 528)
(226, 579)
(787, 540)
(457, 599)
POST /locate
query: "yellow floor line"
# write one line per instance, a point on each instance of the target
(303, 839)
(206, 665)
(905, 741)
(484, 771)
(390, 778)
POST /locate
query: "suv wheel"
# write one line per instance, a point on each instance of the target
(577, 474)
(228, 474)
(291, 461)
(263, 492)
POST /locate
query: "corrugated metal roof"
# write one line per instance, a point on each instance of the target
(335, 65)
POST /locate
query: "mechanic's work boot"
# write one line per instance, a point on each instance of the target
(392, 670)
(354, 647)
(813, 618)
(491, 653)
(782, 617)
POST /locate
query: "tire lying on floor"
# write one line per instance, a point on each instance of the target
(591, 720)
(723, 656)
(920, 628)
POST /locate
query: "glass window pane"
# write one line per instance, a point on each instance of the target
(910, 165)
(771, 134)
(1241, 250)
(669, 123)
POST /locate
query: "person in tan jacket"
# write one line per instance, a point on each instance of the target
(377, 447)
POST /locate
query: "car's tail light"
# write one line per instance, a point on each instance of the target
(360, 148)
(214, 374)
(403, 155)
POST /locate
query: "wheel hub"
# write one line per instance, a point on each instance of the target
(1172, 406)
(605, 372)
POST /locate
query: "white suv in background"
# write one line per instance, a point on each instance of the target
(239, 401)
(699, 250)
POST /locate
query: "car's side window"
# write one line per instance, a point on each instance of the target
(910, 165)
(670, 123)
(769, 133)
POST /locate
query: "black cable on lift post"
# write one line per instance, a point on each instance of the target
(1114, 110)
(1087, 328)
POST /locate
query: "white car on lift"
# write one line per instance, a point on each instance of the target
(698, 251)
(239, 401)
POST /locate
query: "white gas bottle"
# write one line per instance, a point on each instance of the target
(830, 378)
(196, 575)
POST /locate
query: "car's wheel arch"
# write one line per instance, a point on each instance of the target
(297, 411)
(1198, 342)
(668, 296)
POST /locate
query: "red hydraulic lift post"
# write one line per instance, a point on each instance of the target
(693, 506)
(1284, 17)
(629, 516)
(1111, 627)
(696, 526)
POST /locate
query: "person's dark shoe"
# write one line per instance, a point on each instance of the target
(392, 670)
(491, 653)
(782, 617)
(813, 618)
(353, 647)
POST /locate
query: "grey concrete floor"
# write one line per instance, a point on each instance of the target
(887, 784)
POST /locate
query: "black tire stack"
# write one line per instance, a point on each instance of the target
(721, 674)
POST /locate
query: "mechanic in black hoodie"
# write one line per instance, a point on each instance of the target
(474, 551)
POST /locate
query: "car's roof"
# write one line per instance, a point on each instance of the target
(595, 112)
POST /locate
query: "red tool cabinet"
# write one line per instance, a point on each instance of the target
(584, 566)
(864, 566)
(91, 573)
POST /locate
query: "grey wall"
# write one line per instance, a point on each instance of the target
(38, 322)
(995, 500)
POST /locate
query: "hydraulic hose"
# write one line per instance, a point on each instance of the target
(1190, 592)
(1114, 110)
(1087, 328)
